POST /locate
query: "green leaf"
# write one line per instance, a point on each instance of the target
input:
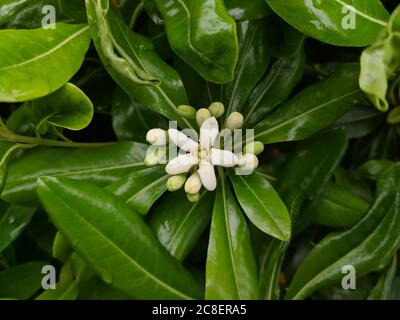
(142, 188)
(368, 246)
(61, 248)
(7, 153)
(312, 109)
(63, 291)
(68, 107)
(34, 63)
(100, 165)
(253, 61)
(22, 281)
(118, 244)
(179, 223)
(339, 207)
(306, 172)
(383, 288)
(380, 61)
(274, 88)
(247, 10)
(9, 8)
(131, 119)
(13, 220)
(135, 51)
(203, 35)
(231, 268)
(262, 204)
(354, 23)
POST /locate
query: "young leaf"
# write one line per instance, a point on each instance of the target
(313, 109)
(203, 35)
(9, 8)
(380, 61)
(231, 268)
(135, 51)
(262, 204)
(142, 188)
(179, 223)
(34, 63)
(354, 23)
(118, 245)
(63, 291)
(100, 165)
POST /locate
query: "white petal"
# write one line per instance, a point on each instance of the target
(181, 164)
(208, 133)
(182, 140)
(207, 175)
(223, 158)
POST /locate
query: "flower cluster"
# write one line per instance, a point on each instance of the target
(193, 167)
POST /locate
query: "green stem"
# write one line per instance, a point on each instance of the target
(136, 14)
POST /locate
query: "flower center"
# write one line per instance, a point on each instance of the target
(203, 153)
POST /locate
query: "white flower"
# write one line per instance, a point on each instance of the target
(201, 154)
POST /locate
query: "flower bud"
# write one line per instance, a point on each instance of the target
(394, 116)
(248, 161)
(157, 137)
(175, 183)
(202, 115)
(193, 184)
(216, 109)
(256, 147)
(193, 197)
(187, 112)
(234, 121)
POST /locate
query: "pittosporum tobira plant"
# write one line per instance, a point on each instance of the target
(199, 149)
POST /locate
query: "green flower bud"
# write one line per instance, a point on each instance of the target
(202, 115)
(394, 116)
(175, 183)
(234, 121)
(216, 109)
(193, 184)
(193, 197)
(187, 112)
(256, 147)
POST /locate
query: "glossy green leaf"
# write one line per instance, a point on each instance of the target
(152, 10)
(368, 246)
(21, 281)
(131, 119)
(100, 165)
(7, 153)
(262, 204)
(373, 168)
(68, 107)
(312, 109)
(338, 22)
(13, 220)
(34, 63)
(274, 88)
(247, 10)
(380, 61)
(9, 8)
(231, 268)
(383, 288)
(339, 207)
(305, 174)
(179, 223)
(63, 291)
(61, 248)
(253, 61)
(204, 35)
(135, 52)
(118, 244)
(142, 188)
